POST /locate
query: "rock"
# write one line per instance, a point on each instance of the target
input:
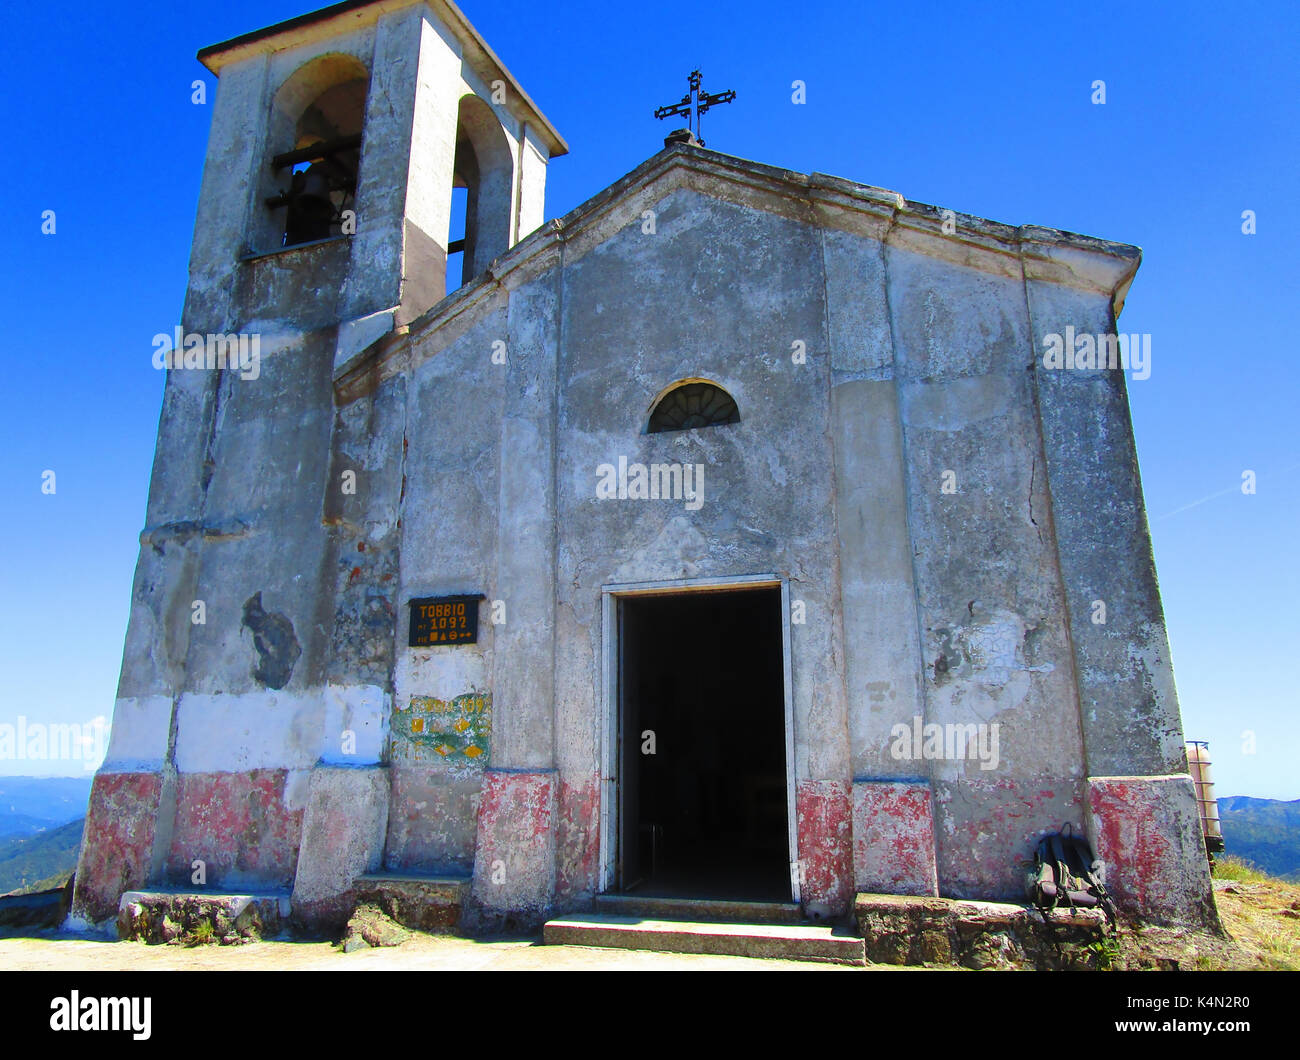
(374, 927)
(248, 924)
(34, 910)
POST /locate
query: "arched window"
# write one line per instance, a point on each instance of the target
(316, 125)
(485, 169)
(690, 404)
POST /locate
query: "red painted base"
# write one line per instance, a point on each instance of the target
(893, 838)
(117, 849)
(577, 839)
(238, 826)
(514, 864)
(1148, 832)
(825, 846)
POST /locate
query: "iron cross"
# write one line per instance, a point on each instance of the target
(695, 103)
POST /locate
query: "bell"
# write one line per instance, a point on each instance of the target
(311, 213)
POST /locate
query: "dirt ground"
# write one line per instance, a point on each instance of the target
(1262, 916)
(423, 952)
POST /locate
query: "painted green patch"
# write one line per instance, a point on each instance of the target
(457, 731)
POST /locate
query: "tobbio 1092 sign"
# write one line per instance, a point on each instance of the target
(439, 620)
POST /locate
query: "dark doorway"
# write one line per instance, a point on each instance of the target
(701, 686)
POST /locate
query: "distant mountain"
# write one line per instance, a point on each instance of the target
(52, 801)
(1265, 832)
(13, 825)
(45, 859)
(41, 819)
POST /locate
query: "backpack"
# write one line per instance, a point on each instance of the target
(1065, 872)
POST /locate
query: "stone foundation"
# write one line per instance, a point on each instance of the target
(166, 916)
(913, 931)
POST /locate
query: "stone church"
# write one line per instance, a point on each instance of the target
(729, 537)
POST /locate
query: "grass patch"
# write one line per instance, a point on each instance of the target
(1105, 952)
(202, 934)
(1261, 912)
(1230, 868)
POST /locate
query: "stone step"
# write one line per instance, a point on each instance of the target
(423, 903)
(797, 942)
(226, 917)
(653, 908)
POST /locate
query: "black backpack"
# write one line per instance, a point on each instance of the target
(1065, 873)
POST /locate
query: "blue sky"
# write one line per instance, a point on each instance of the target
(982, 108)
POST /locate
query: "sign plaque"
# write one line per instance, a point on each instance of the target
(438, 620)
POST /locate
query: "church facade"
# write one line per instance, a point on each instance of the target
(735, 535)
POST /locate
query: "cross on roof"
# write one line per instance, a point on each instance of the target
(695, 103)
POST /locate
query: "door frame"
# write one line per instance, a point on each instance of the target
(611, 594)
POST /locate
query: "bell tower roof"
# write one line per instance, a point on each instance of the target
(354, 14)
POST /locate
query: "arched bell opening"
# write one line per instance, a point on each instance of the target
(484, 168)
(315, 135)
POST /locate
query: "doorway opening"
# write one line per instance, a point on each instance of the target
(702, 746)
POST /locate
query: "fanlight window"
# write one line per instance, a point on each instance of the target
(693, 405)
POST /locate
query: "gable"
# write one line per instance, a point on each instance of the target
(752, 209)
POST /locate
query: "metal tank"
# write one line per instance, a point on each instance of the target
(1198, 764)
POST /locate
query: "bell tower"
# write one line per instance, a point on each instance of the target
(324, 223)
(336, 141)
